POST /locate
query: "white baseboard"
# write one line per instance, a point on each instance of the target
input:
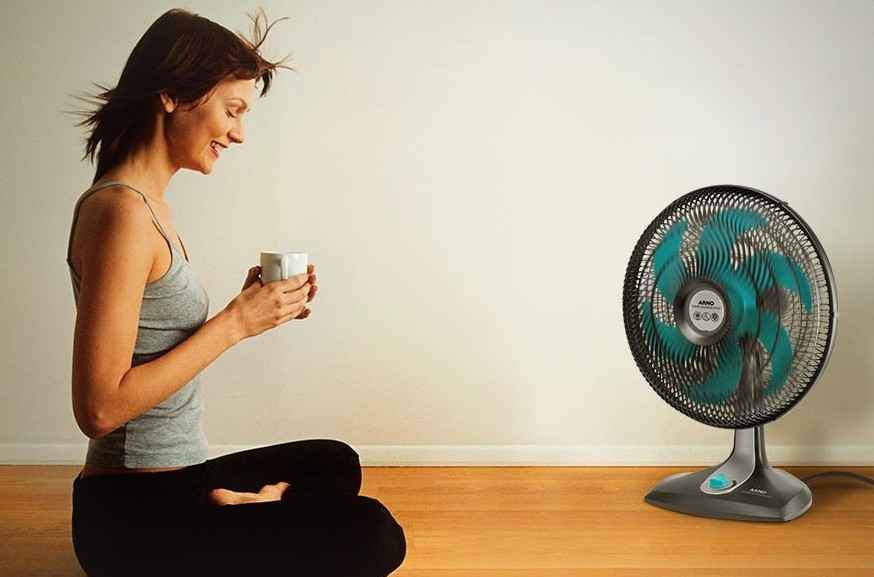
(507, 455)
(42, 454)
(600, 456)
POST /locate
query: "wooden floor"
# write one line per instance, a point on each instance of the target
(523, 522)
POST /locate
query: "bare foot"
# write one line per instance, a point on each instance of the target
(265, 495)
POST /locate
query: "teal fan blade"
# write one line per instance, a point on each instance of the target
(774, 270)
(723, 381)
(670, 272)
(776, 341)
(663, 337)
(726, 226)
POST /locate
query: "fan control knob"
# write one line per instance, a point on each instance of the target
(719, 481)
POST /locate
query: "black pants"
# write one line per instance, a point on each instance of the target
(161, 524)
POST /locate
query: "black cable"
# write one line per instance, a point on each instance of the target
(854, 476)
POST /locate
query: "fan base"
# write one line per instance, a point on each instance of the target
(755, 491)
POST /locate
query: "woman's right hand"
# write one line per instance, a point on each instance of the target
(261, 307)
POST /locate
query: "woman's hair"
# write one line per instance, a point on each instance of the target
(183, 55)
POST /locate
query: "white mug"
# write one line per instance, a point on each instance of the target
(282, 265)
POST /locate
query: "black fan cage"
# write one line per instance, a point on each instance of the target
(810, 327)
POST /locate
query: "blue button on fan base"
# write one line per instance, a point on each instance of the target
(719, 481)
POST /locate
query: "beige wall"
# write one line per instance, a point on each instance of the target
(470, 178)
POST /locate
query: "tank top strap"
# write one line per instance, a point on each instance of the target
(101, 186)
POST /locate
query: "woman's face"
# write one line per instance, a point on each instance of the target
(196, 136)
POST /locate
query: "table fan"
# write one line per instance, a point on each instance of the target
(730, 313)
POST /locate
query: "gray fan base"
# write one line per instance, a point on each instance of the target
(755, 492)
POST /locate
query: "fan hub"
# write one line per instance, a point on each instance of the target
(702, 313)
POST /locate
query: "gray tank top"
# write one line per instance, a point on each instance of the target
(174, 306)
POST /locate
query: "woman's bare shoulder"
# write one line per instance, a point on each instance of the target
(116, 199)
(109, 220)
(113, 210)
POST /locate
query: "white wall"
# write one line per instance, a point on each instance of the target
(470, 177)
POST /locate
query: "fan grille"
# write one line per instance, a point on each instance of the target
(651, 297)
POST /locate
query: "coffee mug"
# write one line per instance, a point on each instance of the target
(282, 265)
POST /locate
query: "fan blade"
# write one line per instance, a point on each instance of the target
(773, 268)
(669, 270)
(724, 228)
(718, 237)
(724, 380)
(663, 338)
(776, 341)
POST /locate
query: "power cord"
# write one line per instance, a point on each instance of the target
(849, 475)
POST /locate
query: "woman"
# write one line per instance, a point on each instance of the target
(148, 502)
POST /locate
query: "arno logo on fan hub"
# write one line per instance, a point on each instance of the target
(706, 303)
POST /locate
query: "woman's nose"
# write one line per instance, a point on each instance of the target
(236, 134)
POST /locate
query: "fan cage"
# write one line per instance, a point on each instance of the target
(811, 334)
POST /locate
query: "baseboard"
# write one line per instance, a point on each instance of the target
(509, 455)
(42, 454)
(601, 456)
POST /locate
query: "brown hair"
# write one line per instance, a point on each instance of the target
(183, 55)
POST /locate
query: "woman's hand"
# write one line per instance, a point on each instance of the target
(311, 279)
(262, 307)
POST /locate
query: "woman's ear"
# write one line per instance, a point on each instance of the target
(168, 103)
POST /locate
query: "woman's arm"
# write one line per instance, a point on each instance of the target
(116, 251)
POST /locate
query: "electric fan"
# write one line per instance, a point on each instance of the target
(730, 313)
